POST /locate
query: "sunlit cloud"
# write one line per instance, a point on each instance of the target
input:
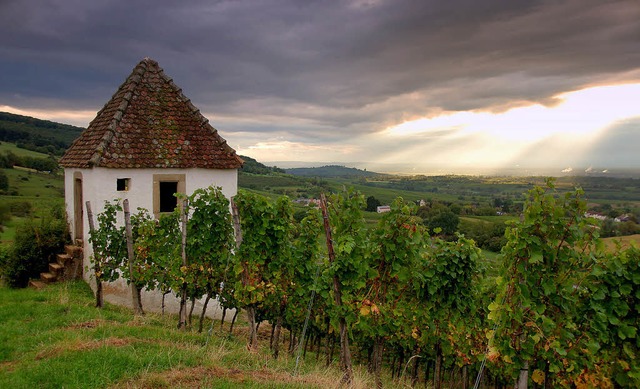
(574, 123)
(282, 150)
(77, 118)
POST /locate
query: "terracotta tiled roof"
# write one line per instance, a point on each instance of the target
(149, 123)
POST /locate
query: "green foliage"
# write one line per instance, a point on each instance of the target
(262, 259)
(158, 251)
(372, 204)
(21, 208)
(209, 241)
(306, 265)
(352, 265)
(547, 256)
(331, 171)
(35, 245)
(5, 214)
(560, 305)
(109, 244)
(439, 218)
(4, 181)
(38, 135)
(254, 167)
(487, 235)
(612, 302)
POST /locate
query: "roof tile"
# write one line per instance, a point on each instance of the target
(149, 123)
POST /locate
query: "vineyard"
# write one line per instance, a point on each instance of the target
(563, 312)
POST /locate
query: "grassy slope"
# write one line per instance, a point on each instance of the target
(11, 147)
(625, 241)
(43, 191)
(30, 184)
(55, 338)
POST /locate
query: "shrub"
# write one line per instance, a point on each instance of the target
(35, 245)
(4, 257)
(5, 214)
(4, 181)
(21, 208)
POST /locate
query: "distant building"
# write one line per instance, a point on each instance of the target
(595, 215)
(622, 218)
(383, 208)
(307, 202)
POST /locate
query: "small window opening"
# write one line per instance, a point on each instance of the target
(122, 184)
(168, 202)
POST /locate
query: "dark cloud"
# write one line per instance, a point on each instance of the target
(339, 66)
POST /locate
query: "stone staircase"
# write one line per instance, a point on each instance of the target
(68, 266)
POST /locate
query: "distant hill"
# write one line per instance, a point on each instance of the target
(43, 136)
(255, 167)
(331, 171)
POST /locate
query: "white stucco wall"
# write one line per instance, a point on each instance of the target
(99, 185)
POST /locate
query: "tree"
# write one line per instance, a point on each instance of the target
(372, 204)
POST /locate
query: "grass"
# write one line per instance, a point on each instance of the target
(11, 147)
(624, 241)
(43, 191)
(55, 338)
(31, 184)
(493, 219)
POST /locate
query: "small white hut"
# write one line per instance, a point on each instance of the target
(147, 143)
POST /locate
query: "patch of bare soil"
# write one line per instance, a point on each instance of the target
(82, 346)
(8, 365)
(196, 377)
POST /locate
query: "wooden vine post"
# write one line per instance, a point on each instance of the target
(96, 261)
(251, 310)
(345, 353)
(183, 293)
(135, 291)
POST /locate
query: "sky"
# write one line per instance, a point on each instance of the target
(420, 86)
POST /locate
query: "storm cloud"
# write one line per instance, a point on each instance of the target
(319, 70)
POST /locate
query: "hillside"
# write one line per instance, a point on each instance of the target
(254, 167)
(43, 136)
(331, 171)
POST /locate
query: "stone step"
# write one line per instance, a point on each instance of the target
(36, 284)
(73, 251)
(48, 277)
(56, 268)
(64, 259)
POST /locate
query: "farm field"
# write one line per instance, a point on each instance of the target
(624, 241)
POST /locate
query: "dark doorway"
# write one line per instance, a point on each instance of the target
(78, 213)
(168, 202)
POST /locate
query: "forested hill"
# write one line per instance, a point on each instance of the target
(252, 166)
(331, 171)
(43, 136)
